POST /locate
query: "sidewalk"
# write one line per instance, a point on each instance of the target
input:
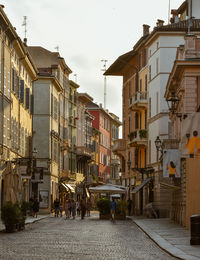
(171, 237)
(28, 220)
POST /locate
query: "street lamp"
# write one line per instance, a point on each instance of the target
(158, 144)
(172, 102)
(120, 177)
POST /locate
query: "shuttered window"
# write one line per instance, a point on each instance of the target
(21, 91)
(27, 98)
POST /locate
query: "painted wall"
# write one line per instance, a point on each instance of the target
(192, 188)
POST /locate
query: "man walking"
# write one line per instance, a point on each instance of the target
(113, 208)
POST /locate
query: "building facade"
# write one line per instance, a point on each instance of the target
(52, 76)
(17, 72)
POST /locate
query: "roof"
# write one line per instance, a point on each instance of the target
(84, 97)
(119, 64)
(92, 106)
(116, 68)
(44, 58)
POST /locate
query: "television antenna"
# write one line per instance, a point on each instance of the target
(25, 26)
(104, 69)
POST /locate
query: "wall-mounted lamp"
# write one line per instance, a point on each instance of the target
(159, 144)
(172, 102)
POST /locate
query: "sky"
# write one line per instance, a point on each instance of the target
(88, 31)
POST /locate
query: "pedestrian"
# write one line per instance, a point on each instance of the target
(88, 207)
(61, 208)
(78, 207)
(56, 207)
(83, 207)
(31, 200)
(70, 207)
(113, 208)
(129, 206)
(67, 209)
(35, 207)
(73, 208)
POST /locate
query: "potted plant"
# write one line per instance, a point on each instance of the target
(121, 209)
(12, 217)
(143, 133)
(103, 206)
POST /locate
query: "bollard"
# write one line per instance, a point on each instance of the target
(195, 230)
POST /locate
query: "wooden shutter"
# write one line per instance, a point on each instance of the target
(21, 91)
(27, 98)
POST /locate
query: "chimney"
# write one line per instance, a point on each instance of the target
(175, 18)
(25, 41)
(159, 23)
(145, 29)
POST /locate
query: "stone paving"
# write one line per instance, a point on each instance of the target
(170, 236)
(88, 239)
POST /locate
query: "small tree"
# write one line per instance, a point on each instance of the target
(103, 206)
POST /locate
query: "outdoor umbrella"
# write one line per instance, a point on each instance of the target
(107, 189)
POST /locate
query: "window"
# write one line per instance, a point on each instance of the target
(136, 120)
(146, 82)
(5, 90)
(21, 89)
(129, 124)
(8, 130)
(55, 108)
(27, 105)
(150, 73)
(157, 102)
(4, 130)
(149, 107)
(129, 89)
(8, 84)
(157, 66)
(140, 85)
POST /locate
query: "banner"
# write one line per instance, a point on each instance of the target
(190, 136)
(171, 163)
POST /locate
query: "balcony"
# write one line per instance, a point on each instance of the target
(119, 147)
(115, 161)
(84, 151)
(138, 101)
(138, 138)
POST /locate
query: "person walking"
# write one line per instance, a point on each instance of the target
(129, 206)
(73, 208)
(88, 207)
(35, 207)
(67, 209)
(83, 208)
(56, 207)
(61, 208)
(78, 207)
(113, 209)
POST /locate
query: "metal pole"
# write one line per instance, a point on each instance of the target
(104, 69)
(105, 92)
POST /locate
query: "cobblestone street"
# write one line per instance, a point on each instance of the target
(91, 238)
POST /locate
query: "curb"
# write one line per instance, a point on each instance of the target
(163, 244)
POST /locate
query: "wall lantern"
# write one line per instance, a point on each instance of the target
(172, 102)
(158, 144)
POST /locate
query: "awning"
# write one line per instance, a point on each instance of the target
(169, 186)
(68, 187)
(139, 187)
